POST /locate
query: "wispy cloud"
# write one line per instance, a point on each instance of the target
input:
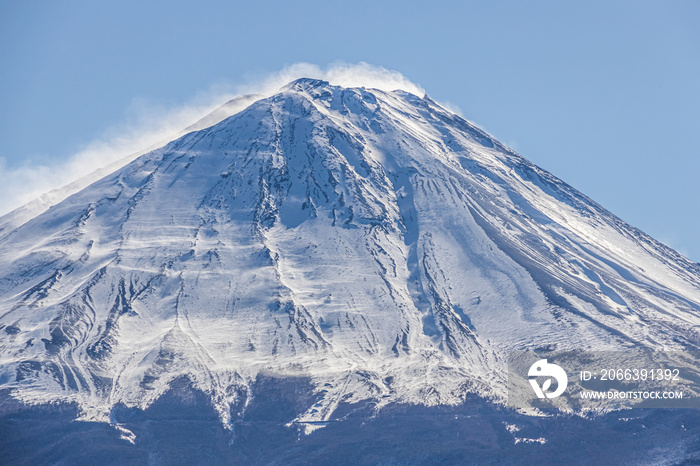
(147, 125)
(341, 74)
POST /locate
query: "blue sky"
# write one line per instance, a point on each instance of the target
(604, 95)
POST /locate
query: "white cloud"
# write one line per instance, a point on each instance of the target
(341, 74)
(147, 125)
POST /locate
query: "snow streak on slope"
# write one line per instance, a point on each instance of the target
(38, 206)
(370, 240)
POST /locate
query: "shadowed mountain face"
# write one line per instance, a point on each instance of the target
(371, 243)
(182, 428)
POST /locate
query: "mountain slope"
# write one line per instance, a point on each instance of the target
(371, 241)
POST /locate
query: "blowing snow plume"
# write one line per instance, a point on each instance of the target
(149, 126)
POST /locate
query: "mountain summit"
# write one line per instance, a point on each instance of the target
(373, 243)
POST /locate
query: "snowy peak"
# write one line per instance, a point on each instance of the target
(372, 241)
(305, 85)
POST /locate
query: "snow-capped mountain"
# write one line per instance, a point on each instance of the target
(372, 241)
